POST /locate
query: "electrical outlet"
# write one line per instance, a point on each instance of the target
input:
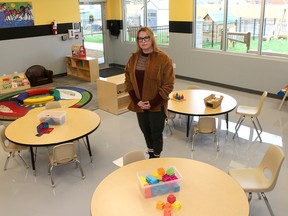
(174, 65)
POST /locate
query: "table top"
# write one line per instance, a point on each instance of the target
(193, 103)
(117, 79)
(79, 123)
(205, 190)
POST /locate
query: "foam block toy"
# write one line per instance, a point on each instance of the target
(43, 128)
(176, 205)
(151, 180)
(160, 205)
(161, 171)
(171, 198)
(170, 171)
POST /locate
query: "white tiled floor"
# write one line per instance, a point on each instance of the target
(22, 193)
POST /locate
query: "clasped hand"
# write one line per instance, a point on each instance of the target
(144, 105)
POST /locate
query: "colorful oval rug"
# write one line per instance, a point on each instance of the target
(11, 109)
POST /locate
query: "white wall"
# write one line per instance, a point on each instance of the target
(48, 51)
(238, 70)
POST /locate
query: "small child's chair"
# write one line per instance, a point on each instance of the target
(206, 125)
(63, 154)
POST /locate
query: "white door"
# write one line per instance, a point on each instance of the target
(91, 16)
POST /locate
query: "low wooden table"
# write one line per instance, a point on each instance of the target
(193, 104)
(79, 123)
(205, 190)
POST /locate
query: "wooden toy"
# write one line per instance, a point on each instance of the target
(213, 101)
(13, 82)
(78, 51)
(177, 97)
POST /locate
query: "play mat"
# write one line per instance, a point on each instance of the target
(17, 104)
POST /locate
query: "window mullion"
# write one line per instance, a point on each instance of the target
(261, 27)
(224, 34)
(145, 13)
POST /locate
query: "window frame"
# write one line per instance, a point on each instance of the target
(145, 23)
(261, 31)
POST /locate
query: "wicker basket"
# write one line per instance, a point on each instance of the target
(213, 101)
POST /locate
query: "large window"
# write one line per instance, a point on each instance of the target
(243, 26)
(152, 13)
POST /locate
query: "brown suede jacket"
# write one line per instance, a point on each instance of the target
(159, 78)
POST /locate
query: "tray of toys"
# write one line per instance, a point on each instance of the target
(213, 100)
(52, 117)
(159, 181)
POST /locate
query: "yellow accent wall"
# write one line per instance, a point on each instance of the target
(65, 11)
(181, 10)
(114, 10)
(45, 11)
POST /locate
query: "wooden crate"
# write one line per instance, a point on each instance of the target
(213, 101)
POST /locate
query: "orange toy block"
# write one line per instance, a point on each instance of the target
(160, 205)
(167, 209)
(161, 171)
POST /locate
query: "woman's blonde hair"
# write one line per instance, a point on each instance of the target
(152, 38)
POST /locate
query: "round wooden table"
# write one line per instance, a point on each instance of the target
(193, 104)
(79, 123)
(205, 190)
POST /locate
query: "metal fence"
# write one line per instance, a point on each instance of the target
(270, 28)
(161, 33)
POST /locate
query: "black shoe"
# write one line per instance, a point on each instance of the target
(151, 154)
(156, 156)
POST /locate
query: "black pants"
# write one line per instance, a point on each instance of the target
(152, 125)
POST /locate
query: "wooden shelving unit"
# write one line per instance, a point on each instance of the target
(111, 95)
(86, 68)
(13, 82)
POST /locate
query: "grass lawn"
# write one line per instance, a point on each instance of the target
(273, 45)
(96, 38)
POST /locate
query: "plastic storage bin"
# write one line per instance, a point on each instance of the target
(164, 183)
(52, 117)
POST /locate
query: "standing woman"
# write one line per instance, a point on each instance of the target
(149, 79)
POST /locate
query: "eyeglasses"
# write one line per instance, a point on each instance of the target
(142, 39)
